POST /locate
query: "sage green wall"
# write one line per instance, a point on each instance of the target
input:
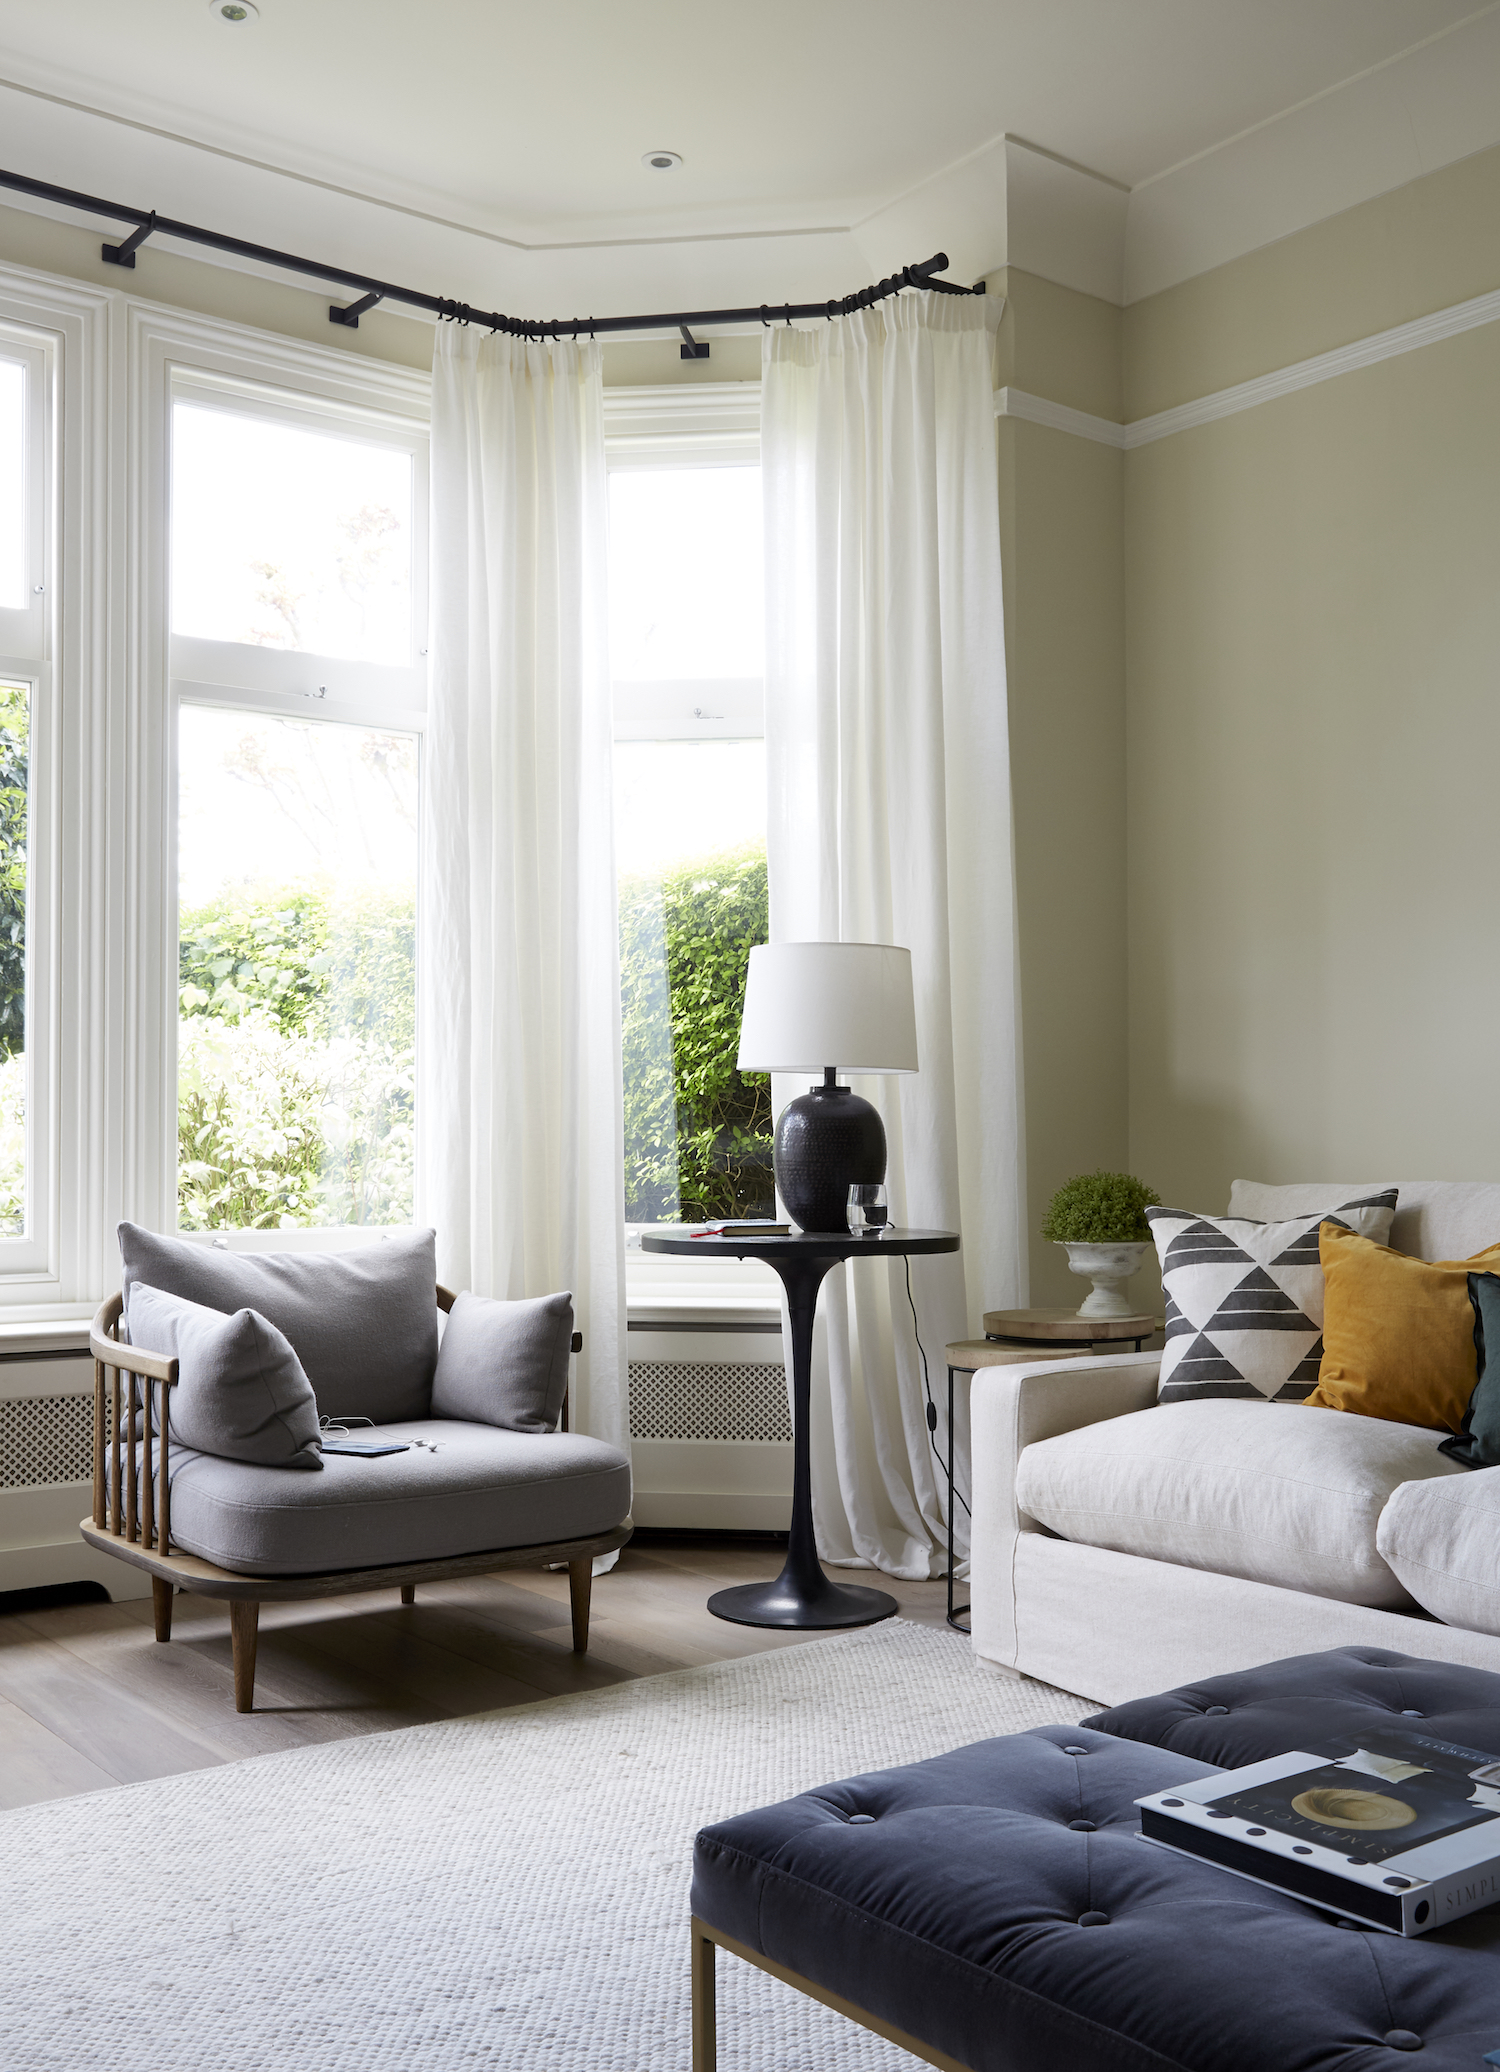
(1313, 631)
(1061, 512)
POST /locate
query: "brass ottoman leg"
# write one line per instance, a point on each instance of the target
(161, 1606)
(705, 2031)
(244, 1627)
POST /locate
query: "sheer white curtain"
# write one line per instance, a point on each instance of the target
(520, 1110)
(890, 821)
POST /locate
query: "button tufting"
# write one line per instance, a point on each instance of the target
(861, 1819)
(1072, 1748)
(1401, 2039)
(1215, 1711)
(1082, 1827)
(1301, 1849)
(1093, 1920)
(1409, 1712)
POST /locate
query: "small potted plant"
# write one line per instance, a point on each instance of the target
(1100, 1218)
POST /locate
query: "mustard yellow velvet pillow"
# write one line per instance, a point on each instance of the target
(1398, 1333)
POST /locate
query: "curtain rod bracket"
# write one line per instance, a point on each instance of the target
(350, 315)
(691, 348)
(123, 254)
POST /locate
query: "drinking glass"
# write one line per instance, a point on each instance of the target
(869, 1208)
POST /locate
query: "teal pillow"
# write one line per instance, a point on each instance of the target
(1476, 1444)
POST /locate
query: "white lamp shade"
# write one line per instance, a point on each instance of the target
(811, 1004)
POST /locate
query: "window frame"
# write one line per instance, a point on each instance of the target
(681, 426)
(176, 355)
(29, 1263)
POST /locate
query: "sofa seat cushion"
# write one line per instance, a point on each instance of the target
(1324, 1703)
(997, 1904)
(1443, 1541)
(459, 1489)
(1272, 1492)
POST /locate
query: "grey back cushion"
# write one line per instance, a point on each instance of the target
(363, 1324)
(505, 1363)
(240, 1391)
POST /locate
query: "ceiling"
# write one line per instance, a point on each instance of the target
(528, 123)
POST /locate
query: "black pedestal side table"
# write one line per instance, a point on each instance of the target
(802, 1595)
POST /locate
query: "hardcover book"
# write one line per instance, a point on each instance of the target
(1402, 1834)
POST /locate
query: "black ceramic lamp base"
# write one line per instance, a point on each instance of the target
(826, 1140)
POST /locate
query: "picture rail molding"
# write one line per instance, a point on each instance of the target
(1264, 388)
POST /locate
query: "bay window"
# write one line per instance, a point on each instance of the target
(298, 669)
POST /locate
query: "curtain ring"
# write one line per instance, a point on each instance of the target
(764, 318)
(591, 330)
(788, 308)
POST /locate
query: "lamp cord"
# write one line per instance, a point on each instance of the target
(932, 1416)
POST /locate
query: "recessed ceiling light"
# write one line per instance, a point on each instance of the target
(235, 12)
(661, 161)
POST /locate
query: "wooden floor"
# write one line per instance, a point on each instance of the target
(89, 1699)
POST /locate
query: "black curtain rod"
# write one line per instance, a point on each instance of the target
(149, 224)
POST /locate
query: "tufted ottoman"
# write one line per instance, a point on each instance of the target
(994, 1910)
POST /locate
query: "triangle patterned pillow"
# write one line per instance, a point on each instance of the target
(1245, 1300)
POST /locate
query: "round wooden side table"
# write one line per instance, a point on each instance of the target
(1065, 1327)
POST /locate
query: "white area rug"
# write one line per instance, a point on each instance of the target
(509, 1890)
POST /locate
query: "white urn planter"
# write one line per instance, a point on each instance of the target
(1109, 1267)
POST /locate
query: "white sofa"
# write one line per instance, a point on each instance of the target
(1121, 1546)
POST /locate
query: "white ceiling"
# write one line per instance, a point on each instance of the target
(530, 120)
(491, 151)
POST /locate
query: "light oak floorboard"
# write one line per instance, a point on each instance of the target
(89, 1698)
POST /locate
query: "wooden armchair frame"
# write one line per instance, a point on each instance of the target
(132, 1515)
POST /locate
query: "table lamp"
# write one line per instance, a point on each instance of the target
(807, 1003)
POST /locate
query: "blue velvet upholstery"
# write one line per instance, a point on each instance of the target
(1317, 1702)
(997, 1903)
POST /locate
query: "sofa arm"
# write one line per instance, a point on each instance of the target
(1010, 1407)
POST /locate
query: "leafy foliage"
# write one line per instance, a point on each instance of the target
(1100, 1209)
(697, 1131)
(13, 1145)
(296, 1085)
(15, 757)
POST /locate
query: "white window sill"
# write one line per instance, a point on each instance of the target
(710, 1292)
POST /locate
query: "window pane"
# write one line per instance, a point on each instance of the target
(691, 847)
(297, 943)
(13, 477)
(15, 756)
(288, 538)
(685, 573)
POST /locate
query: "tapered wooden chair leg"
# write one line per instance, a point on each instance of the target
(705, 2026)
(161, 1606)
(244, 1630)
(408, 1593)
(580, 1589)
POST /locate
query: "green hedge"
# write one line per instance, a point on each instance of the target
(15, 756)
(296, 1094)
(697, 1132)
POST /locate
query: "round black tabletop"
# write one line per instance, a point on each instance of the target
(803, 1244)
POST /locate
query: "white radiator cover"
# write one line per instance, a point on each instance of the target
(47, 1474)
(710, 1430)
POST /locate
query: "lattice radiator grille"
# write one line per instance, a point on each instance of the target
(46, 1439)
(678, 1399)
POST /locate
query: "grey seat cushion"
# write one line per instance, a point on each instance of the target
(467, 1489)
(363, 1323)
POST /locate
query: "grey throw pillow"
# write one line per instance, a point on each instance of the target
(505, 1363)
(241, 1392)
(363, 1324)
